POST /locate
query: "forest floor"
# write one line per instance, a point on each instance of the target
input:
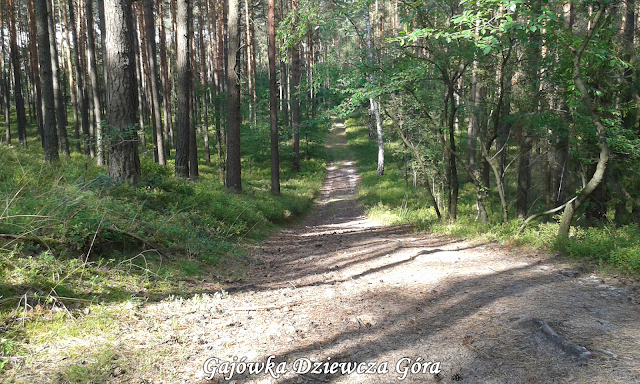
(340, 288)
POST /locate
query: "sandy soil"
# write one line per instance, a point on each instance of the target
(338, 288)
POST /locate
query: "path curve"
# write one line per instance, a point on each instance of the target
(341, 288)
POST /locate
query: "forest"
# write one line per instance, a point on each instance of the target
(150, 144)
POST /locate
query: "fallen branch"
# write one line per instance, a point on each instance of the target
(264, 307)
(136, 237)
(47, 242)
(552, 336)
(554, 210)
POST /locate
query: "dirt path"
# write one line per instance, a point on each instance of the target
(340, 288)
(347, 290)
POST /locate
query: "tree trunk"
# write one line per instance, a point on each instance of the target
(524, 175)
(34, 73)
(193, 144)
(252, 69)
(166, 85)
(140, 80)
(374, 109)
(234, 118)
(4, 82)
(284, 93)
(472, 128)
(453, 170)
(124, 161)
(247, 36)
(72, 81)
(86, 104)
(59, 101)
(203, 82)
(50, 136)
(183, 118)
(273, 100)
(295, 102)
(80, 87)
(150, 32)
(95, 84)
(219, 81)
(571, 208)
(630, 115)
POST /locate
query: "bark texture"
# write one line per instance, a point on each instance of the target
(234, 119)
(183, 89)
(49, 134)
(121, 100)
(273, 100)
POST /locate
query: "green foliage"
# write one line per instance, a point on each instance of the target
(391, 200)
(73, 241)
(617, 246)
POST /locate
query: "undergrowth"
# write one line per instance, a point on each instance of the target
(74, 244)
(392, 199)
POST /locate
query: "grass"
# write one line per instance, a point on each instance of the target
(76, 248)
(392, 199)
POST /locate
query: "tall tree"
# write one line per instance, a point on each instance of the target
(59, 101)
(34, 73)
(166, 84)
(121, 100)
(295, 101)
(50, 136)
(80, 80)
(373, 102)
(204, 72)
(273, 99)
(193, 144)
(183, 120)
(575, 203)
(150, 33)
(234, 118)
(87, 127)
(95, 84)
(72, 80)
(4, 80)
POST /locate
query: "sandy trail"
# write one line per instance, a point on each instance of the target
(347, 290)
(340, 288)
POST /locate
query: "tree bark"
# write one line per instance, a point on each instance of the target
(95, 84)
(50, 136)
(34, 73)
(140, 76)
(166, 84)
(183, 118)
(273, 100)
(219, 79)
(72, 81)
(453, 170)
(124, 161)
(4, 81)
(86, 103)
(373, 103)
(203, 81)
(295, 101)
(193, 144)
(248, 19)
(59, 101)
(80, 86)
(234, 119)
(150, 33)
